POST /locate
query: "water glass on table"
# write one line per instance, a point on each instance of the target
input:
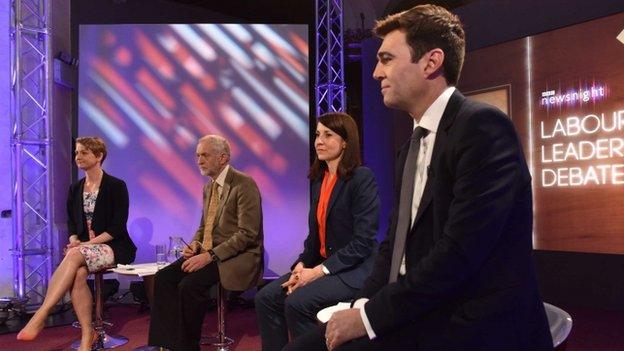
(161, 255)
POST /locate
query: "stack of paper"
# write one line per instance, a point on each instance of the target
(141, 269)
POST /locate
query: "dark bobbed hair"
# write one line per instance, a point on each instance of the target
(345, 126)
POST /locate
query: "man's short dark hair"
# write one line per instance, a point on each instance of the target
(428, 27)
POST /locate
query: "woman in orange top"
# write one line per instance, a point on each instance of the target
(338, 252)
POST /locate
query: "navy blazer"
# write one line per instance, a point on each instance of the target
(110, 215)
(351, 228)
(470, 281)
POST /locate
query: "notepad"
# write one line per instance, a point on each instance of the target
(325, 314)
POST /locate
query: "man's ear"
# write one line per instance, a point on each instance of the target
(225, 159)
(435, 62)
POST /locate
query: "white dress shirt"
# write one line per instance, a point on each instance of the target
(429, 121)
(221, 179)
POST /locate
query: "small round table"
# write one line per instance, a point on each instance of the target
(147, 271)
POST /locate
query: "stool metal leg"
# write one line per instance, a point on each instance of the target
(103, 341)
(220, 341)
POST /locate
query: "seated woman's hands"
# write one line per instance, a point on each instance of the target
(301, 276)
(73, 242)
(292, 280)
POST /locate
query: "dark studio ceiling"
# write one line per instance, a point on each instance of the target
(356, 12)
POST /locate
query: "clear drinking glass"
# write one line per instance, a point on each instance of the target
(161, 254)
(176, 246)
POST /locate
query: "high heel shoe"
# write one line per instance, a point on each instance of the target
(28, 335)
(24, 336)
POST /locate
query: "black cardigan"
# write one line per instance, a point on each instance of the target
(110, 215)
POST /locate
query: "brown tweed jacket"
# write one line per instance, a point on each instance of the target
(237, 235)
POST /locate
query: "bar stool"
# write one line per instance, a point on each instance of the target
(104, 341)
(220, 340)
(560, 323)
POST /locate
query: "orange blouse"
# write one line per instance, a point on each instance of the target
(321, 210)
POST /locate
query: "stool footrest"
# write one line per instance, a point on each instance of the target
(215, 340)
(105, 324)
(104, 341)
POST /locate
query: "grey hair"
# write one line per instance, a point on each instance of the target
(221, 145)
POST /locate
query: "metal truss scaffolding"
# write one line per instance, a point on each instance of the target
(330, 87)
(30, 149)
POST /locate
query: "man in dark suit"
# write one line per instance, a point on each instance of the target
(226, 248)
(455, 271)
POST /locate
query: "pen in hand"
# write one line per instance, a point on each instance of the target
(185, 243)
(189, 247)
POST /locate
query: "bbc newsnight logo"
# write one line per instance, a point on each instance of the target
(573, 97)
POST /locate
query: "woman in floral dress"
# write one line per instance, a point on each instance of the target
(97, 207)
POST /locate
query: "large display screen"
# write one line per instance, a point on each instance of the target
(567, 101)
(151, 90)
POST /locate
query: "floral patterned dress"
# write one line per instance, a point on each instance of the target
(97, 256)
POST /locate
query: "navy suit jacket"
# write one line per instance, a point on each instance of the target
(351, 228)
(470, 281)
(110, 215)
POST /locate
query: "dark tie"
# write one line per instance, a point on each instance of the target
(405, 203)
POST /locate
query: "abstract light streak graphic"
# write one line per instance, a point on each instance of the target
(264, 54)
(109, 110)
(261, 117)
(154, 57)
(254, 143)
(195, 41)
(174, 165)
(228, 45)
(291, 94)
(151, 90)
(129, 109)
(110, 130)
(239, 32)
(147, 95)
(156, 88)
(165, 196)
(272, 37)
(298, 125)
